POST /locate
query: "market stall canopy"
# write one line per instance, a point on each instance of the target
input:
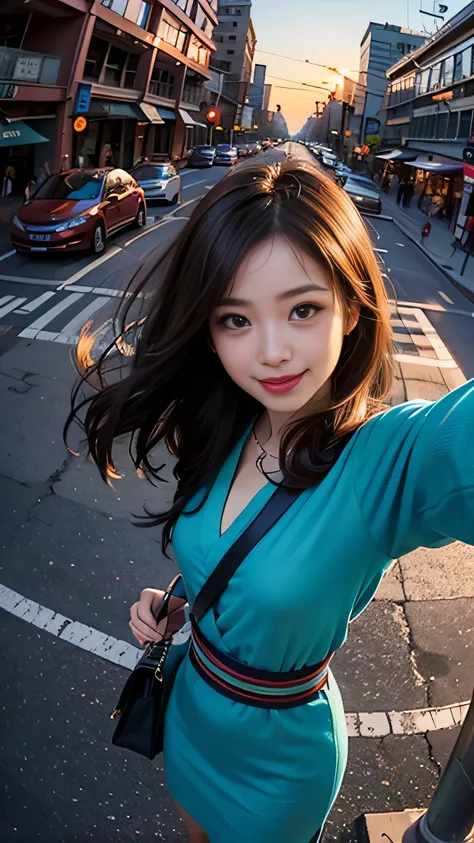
(166, 113)
(150, 113)
(17, 133)
(446, 166)
(397, 155)
(188, 120)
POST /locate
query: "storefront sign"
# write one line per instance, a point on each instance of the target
(79, 124)
(27, 68)
(83, 98)
(10, 133)
(8, 92)
(446, 95)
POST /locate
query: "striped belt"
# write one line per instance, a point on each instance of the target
(260, 688)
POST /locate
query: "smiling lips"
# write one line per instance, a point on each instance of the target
(283, 384)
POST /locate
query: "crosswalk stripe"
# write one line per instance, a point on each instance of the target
(35, 303)
(74, 326)
(4, 299)
(11, 306)
(50, 314)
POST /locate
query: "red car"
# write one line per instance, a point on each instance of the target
(78, 209)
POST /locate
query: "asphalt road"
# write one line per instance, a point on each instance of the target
(68, 546)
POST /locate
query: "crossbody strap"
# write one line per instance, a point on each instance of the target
(273, 510)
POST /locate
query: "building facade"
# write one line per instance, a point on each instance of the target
(429, 102)
(235, 43)
(381, 47)
(135, 70)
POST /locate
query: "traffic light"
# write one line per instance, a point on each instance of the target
(213, 115)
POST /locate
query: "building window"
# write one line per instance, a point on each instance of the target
(114, 67)
(430, 125)
(465, 120)
(448, 72)
(95, 59)
(181, 4)
(235, 23)
(452, 129)
(466, 63)
(457, 67)
(198, 52)
(131, 70)
(172, 34)
(230, 52)
(442, 125)
(232, 37)
(118, 6)
(435, 76)
(143, 15)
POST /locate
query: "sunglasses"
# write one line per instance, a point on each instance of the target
(171, 614)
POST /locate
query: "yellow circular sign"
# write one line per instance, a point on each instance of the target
(80, 124)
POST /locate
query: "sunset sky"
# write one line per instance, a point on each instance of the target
(326, 32)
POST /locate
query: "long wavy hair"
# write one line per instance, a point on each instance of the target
(177, 391)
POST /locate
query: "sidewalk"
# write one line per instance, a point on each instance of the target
(438, 245)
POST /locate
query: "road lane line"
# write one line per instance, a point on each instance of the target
(5, 299)
(8, 255)
(148, 230)
(73, 328)
(373, 724)
(50, 314)
(445, 297)
(7, 308)
(19, 279)
(86, 269)
(33, 305)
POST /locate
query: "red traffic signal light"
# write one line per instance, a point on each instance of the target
(213, 115)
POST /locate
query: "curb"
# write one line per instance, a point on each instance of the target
(466, 291)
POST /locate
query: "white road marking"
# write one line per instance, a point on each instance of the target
(401, 244)
(4, 299)
(51, 314)
(445, 297)
(382, 251)
(86, 269)
(35, 303)
(148, 230)
(373, 724)
(7, 308)
(424, 361)
(73, 328)
(8, 255)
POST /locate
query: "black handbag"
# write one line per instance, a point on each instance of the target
(142, 704)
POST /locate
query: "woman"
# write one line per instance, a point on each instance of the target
(266, 358)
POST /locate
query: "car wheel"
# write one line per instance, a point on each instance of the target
(140, 219)
(175, 199)
(98, 239)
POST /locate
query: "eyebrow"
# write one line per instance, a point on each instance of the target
(288, 294)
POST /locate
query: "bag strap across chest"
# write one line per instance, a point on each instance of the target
(274, 509)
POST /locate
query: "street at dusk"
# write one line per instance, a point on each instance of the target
(116, 120)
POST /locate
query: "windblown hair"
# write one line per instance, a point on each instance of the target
(177, 391)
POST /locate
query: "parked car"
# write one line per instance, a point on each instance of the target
(244, 150)
(365, 198)
(364, 181)
(159, 180)
(202, 156)
(226, 154)
(78, 210)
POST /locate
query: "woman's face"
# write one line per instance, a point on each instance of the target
(279, 330)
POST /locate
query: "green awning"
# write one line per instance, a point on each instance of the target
(18, 133)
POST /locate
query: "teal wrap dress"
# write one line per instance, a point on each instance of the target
(404, 480)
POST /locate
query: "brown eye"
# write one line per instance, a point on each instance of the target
(234, 321)
(303, 312)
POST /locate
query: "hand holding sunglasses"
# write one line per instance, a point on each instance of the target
(143, 616)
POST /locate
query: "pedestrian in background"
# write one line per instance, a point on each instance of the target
(409, 190)
(265, 365)
(402, 184)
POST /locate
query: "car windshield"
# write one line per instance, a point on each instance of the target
(78, 185)
(151, 171)
(205, 149)
(225, 147)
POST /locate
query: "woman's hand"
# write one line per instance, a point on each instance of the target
(143, 624)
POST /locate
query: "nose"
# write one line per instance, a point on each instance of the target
(274, 346)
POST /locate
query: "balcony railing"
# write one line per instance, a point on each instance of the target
(27, 67)
(161, 89)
